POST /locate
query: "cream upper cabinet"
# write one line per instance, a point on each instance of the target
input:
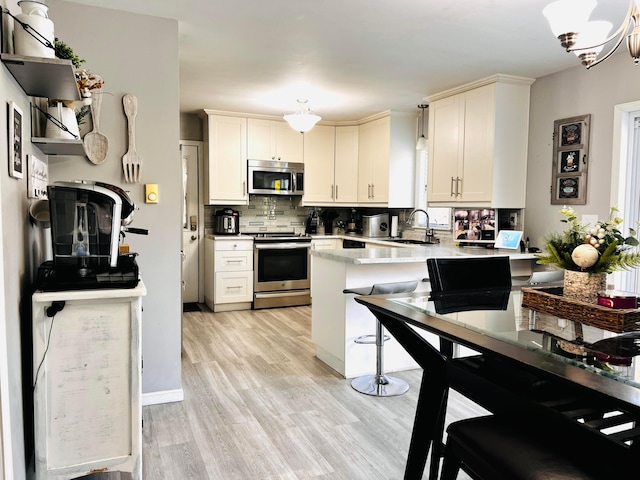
(331, 165)
(478, 137)
(225, 160)
(319, 152)
(346, 165)
(273, 140)
(386, 161)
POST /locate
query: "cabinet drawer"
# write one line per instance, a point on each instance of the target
(230, 245)
(233, 287)
(233, 261)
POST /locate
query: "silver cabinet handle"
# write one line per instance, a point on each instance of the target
(332, 197)
(451, 188)
(373, 192)
(244, 189)
(458, 187)
(336, 192)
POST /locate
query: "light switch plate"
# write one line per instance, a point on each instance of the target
(151, 193)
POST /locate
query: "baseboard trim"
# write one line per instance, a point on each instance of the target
(165, 396)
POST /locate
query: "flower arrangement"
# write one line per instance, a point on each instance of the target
(598, 249)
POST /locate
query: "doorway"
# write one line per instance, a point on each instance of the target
(192, 222)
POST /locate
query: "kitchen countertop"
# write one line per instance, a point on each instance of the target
(413, 254)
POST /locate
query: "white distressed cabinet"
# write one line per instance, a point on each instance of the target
(273, 140)
(225, 160)
(478, 136)
(87, 370)
(228, 273)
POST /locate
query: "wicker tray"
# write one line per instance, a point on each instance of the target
(550, 300)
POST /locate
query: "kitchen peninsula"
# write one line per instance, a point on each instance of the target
(337, 319)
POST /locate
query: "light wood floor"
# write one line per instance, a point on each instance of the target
(259, 405)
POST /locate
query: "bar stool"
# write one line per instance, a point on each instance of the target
(379, 384)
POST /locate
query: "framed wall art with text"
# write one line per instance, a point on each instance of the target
(570, 160)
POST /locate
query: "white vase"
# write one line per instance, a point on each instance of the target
(584, 286)
(34, 14)
(66, 116)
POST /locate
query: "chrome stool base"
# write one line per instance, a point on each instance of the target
(380, 385)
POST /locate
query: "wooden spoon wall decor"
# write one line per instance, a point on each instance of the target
(96, 144)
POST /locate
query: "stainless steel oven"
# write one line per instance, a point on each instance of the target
(281, 267)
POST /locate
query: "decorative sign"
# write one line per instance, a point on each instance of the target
(570, 161)
(16, 153)
(37, 177)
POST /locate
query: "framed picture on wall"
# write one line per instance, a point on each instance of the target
(570, 160)
(16, 153)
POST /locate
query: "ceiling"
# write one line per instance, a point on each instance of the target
(352, 58)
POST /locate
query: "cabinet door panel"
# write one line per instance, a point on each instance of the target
(479, 128)
(444, 148)
(261, 139)
(346, 164)
(319, 164)
(289, 143)
(380, 167)
(227, 159)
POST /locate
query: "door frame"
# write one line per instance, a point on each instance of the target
(201, 222)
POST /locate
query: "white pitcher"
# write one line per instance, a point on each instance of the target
(35, 15)
(66, 116)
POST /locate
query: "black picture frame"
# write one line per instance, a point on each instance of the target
(16, 151)
(570, 160)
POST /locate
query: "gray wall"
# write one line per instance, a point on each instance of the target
(565, 94)
(190, 127)
(138, 54)
(18, 271)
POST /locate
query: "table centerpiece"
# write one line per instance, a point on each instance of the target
(588, 253)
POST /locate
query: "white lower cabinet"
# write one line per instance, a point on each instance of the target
(228, 281)
(87, 369)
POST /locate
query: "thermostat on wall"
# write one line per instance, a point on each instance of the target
(151, 193)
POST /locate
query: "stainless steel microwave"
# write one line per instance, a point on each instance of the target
(268, 177)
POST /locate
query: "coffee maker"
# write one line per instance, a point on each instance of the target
(87, 219)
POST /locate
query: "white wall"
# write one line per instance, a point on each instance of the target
(570, 93)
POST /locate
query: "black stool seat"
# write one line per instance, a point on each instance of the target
(494, 449)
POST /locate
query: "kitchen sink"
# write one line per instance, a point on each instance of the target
(413, 242)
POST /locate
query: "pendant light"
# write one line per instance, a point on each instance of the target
(304, 119)
(422, 141)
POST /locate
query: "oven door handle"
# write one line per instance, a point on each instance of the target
(281, 246)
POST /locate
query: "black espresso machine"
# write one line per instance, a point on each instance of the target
(87, 220)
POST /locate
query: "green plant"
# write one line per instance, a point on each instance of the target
(65, 52)
(599, 249)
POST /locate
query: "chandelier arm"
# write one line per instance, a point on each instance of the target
(622, 29)
(608, 54)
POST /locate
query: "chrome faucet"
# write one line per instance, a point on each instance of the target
(429, 236)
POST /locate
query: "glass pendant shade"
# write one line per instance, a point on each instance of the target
(594, 33)
(303, 120)
(422, 143)
(568, 16)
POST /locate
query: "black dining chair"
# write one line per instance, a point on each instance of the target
(494, 447)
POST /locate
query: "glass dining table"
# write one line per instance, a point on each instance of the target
(580, 380)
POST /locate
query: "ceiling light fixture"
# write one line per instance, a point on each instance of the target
(569, 21)
(422, 141)
(304, 119)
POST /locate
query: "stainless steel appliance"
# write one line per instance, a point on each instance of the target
(268, 177)
(375, 225)
(226, 222)
(87, 220)
(281, 269)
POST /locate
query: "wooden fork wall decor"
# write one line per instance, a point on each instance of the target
(131, 161)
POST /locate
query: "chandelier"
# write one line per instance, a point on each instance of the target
(569, 21)
(304, 119)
